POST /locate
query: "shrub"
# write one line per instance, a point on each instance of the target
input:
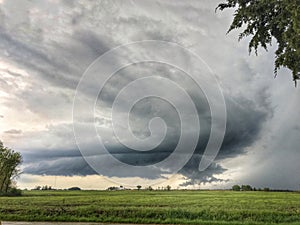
(12, 192)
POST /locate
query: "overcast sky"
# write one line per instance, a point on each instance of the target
(47, 45)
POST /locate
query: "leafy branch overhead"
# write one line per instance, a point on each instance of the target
(267, 19)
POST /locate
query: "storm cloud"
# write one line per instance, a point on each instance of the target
(48, 46)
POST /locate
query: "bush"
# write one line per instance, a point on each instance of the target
(12, 192)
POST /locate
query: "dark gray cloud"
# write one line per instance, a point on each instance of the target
(42, 154)
(193, 176)
(244, 123)
(60, 167)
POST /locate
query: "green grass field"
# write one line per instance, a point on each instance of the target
(161, 207)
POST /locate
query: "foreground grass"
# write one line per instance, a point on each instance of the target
(173, 207)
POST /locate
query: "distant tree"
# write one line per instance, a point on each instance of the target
(246, 188)
(45, 188)
(9, 170)
(266, 189)
(264, 20)
(150, 188)
(139, 187)
(168, 188)
(74, 189)
(113, 188)
(37, 188)
(236, 188)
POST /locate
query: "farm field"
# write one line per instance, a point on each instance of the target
(156, 207)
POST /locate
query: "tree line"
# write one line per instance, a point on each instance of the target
(139, 187)
(50, 188)
(248, 187)
(9, 170)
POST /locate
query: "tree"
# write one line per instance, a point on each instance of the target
(74, 189)
(45, 188)
(9, 162)
(168, 188)
(264, 20)
(266, 189)
(150, 188)
(37, 188)
(236, 188)
(139, 187)
(246, 188)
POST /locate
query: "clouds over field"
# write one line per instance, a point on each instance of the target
(47, 45)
